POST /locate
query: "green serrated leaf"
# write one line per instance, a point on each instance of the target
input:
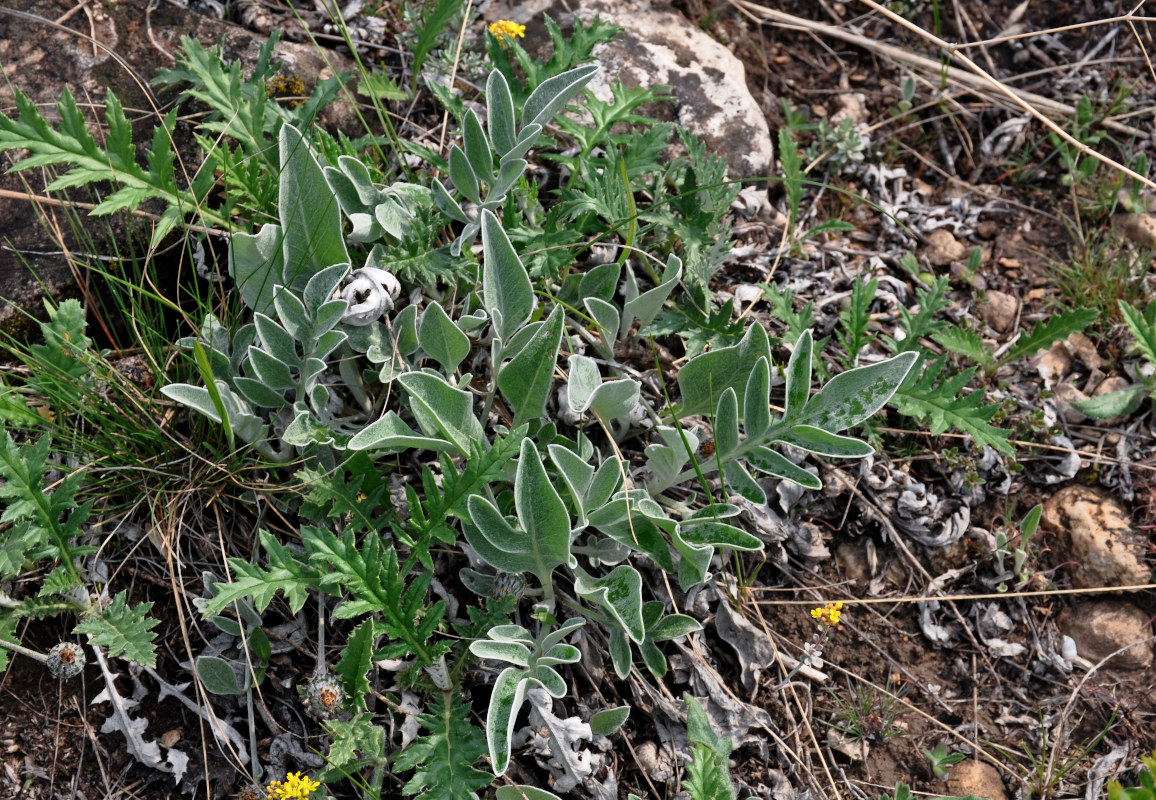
(124, 630)
(941, 404)
(356, 661)
(1144, 332)
(443, 759)
(348, 738)
(1044, 334)
(962, 342)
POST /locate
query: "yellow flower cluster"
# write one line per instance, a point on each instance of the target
(505, 28)
(294, 787)
(828, 615)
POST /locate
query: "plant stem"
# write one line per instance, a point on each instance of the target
(24, 651)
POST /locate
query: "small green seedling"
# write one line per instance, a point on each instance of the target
(941, 759)
(1018, 554)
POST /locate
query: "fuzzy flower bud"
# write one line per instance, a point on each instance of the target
(323, 696)
(65, 660)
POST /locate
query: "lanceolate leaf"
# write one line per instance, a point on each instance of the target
(824, 443)
(506, 285)
(620, 593)
(257, 263)
(553, 93)
(853, 396)
(756, 403)
(441, 411)
(308, 211)
(1113, 404)
(441, 339)
(704, 378)
(526, 381)
(766, 460)
(726, 424)
(507, 696)
(799, 377)
(543, 541)
(500, 111)
(391, 433)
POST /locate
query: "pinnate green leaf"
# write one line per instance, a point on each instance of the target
(124, 630)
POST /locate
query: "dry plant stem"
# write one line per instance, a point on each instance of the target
(898, 541)
(24, 651)
(8, 194)
(91, 734)
(790, 685)
(869, 601)
(705, 665)
(981, 83)
(1018, 98)
(1071, 701)
(454, 71)
(164, 540)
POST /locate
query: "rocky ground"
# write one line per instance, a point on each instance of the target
(1045, 680)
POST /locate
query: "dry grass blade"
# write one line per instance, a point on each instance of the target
(977, 80)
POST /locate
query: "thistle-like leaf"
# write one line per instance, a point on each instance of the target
(124, 630)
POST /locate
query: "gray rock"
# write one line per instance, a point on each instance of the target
(1066, 394)
(975, 777)
(660, 46)
(943, 248)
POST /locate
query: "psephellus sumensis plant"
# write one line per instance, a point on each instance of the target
(344, 369)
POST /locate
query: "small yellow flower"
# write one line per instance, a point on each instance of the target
(828, 615)
(508, 29)
(294, 787)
